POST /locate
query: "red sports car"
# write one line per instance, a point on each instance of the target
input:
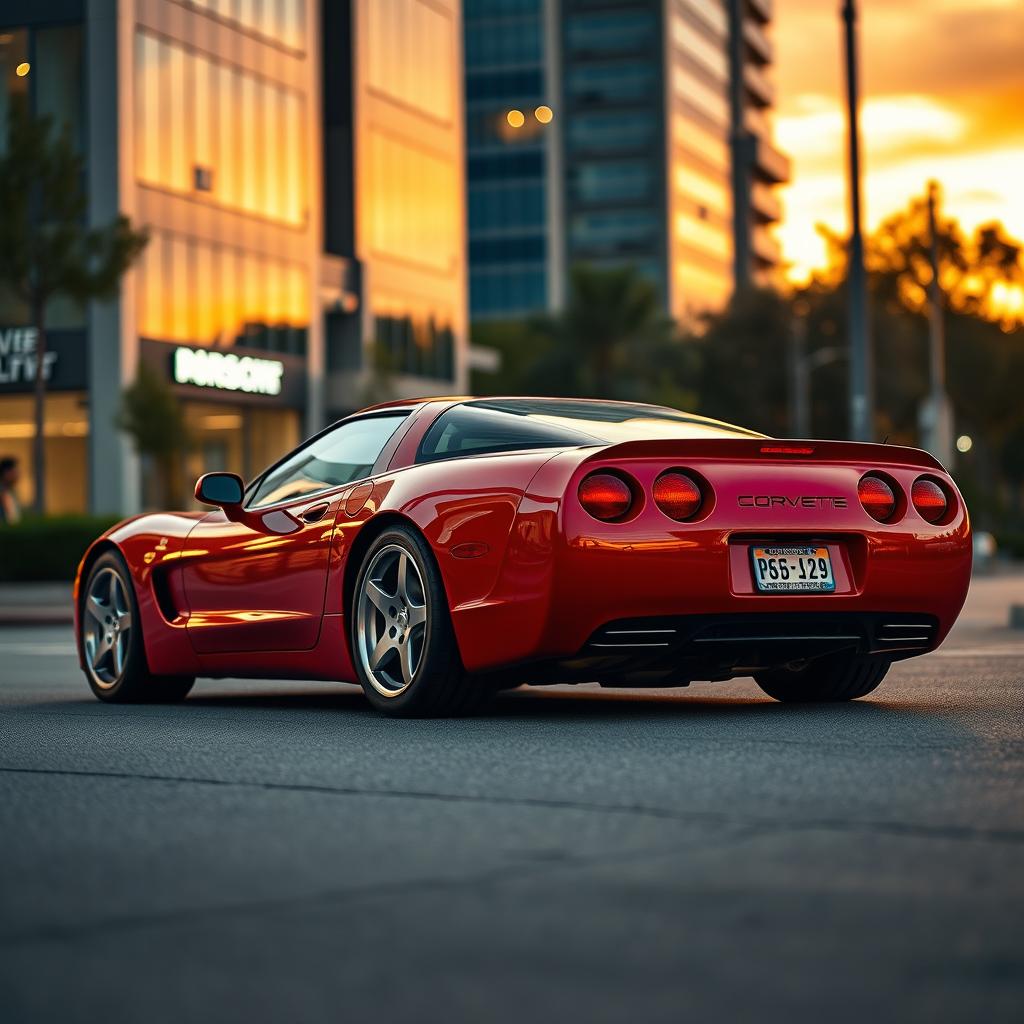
(437, 550)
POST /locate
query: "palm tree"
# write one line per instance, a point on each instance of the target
(612, 317)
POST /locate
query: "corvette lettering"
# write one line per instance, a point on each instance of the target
(787, 501)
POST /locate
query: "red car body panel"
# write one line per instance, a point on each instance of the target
(529, 574)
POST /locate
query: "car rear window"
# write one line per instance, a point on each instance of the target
(493, 425)
(483, 428)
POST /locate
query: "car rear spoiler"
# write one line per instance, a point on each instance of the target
(769, 449)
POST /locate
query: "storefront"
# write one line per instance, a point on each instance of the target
(243, 408)
(67, 413)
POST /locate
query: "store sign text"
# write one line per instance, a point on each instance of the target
(18, 356)
(226, 371)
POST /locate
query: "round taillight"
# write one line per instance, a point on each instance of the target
(877, 497)
(677, 495)
(929, 499)
(605, 496)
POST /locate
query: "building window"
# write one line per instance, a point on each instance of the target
(282, 21)
(194, 291)
(612, 131)
(215, 131)
(611, 83)
(513, 207)
(612, 181)
(410, 55)
(411, 203)
(614, 231)
(420, 345)
(508, 290)
(601, 33)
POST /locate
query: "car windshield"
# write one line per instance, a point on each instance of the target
(337, 457)
(493, 425)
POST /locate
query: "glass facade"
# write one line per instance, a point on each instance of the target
(409, 41)
(643, 138)
(279, 21)
(218, 133)
(419, 345)
(406, 159)
(409, 199)
(506, 164)
(204, 293)
(701, 242)
(615, 203)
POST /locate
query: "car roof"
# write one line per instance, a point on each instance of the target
(574, 408)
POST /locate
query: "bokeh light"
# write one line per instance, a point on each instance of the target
(544, 114)
(964, 443)
(23, 69)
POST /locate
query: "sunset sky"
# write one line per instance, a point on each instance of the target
(943, 90)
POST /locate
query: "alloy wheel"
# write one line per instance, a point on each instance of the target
(391, 620)
(107, 628)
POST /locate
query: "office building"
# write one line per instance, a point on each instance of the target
(600, 132)
(298, 165)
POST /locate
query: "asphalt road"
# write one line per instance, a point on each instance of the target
(275, 852)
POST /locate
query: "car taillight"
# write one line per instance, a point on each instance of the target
(877, 497)
(677, 495)
(929, 498)
(605, 496)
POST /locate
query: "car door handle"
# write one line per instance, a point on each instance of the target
(316, 513)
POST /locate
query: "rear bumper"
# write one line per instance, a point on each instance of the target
(675, 650)
(710, 575)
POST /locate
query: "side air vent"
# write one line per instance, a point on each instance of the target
(164, 590)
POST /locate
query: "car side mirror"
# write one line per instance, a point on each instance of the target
(224, 490)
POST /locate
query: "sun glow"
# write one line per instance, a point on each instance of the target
(933, 109)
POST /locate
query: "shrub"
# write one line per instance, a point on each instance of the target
(47, 549)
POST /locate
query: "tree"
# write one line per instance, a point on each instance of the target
(46, 247)
(153, 418)
(593, 346)
(742, 361)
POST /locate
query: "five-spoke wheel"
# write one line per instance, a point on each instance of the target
(391, 620)
(403, 643)
(111, 639)
(106, 627)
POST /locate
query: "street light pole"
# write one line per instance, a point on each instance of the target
(936, 416)
(861, 405)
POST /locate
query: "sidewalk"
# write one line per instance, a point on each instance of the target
(35, 604)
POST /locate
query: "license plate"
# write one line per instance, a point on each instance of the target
(793, 570)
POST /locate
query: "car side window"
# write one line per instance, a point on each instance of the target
(344, 454)
(476, 429)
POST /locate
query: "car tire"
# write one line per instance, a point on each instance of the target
(825, 679)
(402, 641)
(111, 644)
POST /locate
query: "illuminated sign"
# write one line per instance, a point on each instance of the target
(226, 371)
(18, 356)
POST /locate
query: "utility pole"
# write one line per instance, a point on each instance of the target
(936, 414)
(861, 404)
(741, 144)
(799, 387)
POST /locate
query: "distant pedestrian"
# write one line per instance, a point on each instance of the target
(10, 509)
